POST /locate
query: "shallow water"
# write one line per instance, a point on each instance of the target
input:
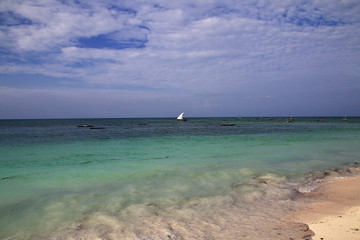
(61, 181)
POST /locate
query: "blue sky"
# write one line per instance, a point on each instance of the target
(158, 58)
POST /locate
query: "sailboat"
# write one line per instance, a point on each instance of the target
(290, 120)
(181, 117)
(345, 118)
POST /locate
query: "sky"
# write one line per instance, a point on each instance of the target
(158, 58)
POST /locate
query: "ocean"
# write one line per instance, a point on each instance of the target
(159, 178)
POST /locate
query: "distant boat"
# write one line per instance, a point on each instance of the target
(181, 117)
(345, 118)
(227, 124)
(290, 120)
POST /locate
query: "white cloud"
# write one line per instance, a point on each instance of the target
(203, 47)
(55, 24)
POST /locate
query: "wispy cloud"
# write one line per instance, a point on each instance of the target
(201, 48)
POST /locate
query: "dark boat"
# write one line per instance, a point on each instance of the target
(227, 124)
(86, 126)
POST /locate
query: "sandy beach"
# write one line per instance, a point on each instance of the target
(333, 211)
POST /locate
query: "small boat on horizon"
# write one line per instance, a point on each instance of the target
(290, 120)
(97, 127)
(345, 118)
(227, 124)
(181, 118)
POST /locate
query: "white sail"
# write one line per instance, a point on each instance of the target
(180, 117)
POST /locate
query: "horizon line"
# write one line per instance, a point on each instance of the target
(238, 117)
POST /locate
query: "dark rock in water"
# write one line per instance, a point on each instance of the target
(87, 162)
(352, 164)
(239, 185)
(10, 177)
(142, 124)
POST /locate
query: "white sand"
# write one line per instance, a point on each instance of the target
(334, 213)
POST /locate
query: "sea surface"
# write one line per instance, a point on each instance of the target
(127, 176)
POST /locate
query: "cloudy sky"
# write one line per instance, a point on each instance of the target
(158, 58)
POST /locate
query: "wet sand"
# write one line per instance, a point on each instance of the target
(334, 210)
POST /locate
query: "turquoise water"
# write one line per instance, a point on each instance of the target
(54, 174)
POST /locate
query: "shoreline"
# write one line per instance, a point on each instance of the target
(266, 207)
(276, 210)
(332, 210)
